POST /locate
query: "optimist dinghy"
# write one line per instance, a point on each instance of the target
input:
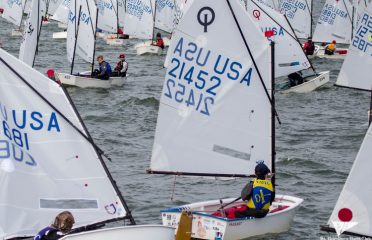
(203, 129)
(84, 81)
(49, 163)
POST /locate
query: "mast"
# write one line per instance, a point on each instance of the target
(311, 18)
(370, 111)
(38, 33)
(117, 19)
(311, 65)
(352, 22)
(273, 153)
(76, 37)
(94, 30)
(153, 28)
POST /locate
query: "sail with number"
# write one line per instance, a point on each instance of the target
(13, 11)
(181, 7)
(356, 68)
(165, 15)
(139, 19)
(335, 22)
(82, 30)
(31, 32)
(352, 212)
(215, 113)
(107, 19)
(299, 14)
(289, 56)
(48, 161)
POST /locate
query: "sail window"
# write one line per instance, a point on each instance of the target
(69, 203)
(231, 152)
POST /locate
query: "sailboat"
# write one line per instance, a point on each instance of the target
(61, 16)
(217, 115)
(81, 36)
(352, 212)
(31, 32)
(13, 13)
(336, 22)
(49, 163)
(290, 56)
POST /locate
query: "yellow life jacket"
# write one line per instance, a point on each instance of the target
(331, 47)
(261, 194)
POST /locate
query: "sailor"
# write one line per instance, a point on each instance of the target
(121, 67)
(104, 70)
(159, 41)
(330, 48)
(295, 79)
(62, 225)
(309, 47)
(259, 193)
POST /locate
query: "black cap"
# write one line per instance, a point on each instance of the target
(261, 169)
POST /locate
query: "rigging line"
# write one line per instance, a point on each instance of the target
(303, 50)
(254, 62)
(90, 16)
(348, 14)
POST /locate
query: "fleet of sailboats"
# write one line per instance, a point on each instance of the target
(202, 129)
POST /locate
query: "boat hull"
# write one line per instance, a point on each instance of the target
(115, 41)
(16, 32)
(340, 53)
(87, 82)
(60, 35)
(207, 226)
(150, 49)
(144, 232)
(311, 83)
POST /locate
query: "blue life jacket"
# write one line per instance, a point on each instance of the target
(108, 68)
(43, 233)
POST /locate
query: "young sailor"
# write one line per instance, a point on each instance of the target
(309, 47)
(259, 193)
(330, 48)
(104, 70)
(159, 41)
(121, 67)
(62, 225)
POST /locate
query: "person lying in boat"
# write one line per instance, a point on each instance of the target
(295, 79)
(62, 225)
(104, 70)
(121, 67)
(309, 47)
(330, 48)
(159, 41)
(259, 193)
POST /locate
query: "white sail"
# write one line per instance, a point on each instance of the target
(181, 7)
(335, 22)
(46, 165)
(13, 11)
(165, 15)
(31, 32)
(214, 115)
(269, 3)
(121, 11)
(139, 21)
(289, 56)
(356, 68)
(352, 212)
(53, 6)
(298, 14)
(61, 14)
(85, 29)
(107, 19)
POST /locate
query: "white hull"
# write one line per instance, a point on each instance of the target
(151, 49)
(16, 32)
(206, 226)
(145, 232)
(86, 82)
(148, 43)
(319, 52)
(311, 83)
(115, 41)
(60, 35)
(101, 34)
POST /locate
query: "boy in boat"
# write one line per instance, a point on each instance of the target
(295, 79)
(121, 67)
(104, 70)
(309, 47)
(330, 48)
(62, 225)
(259, 193)
(159, 41)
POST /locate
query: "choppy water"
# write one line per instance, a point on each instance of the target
(316, 143)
